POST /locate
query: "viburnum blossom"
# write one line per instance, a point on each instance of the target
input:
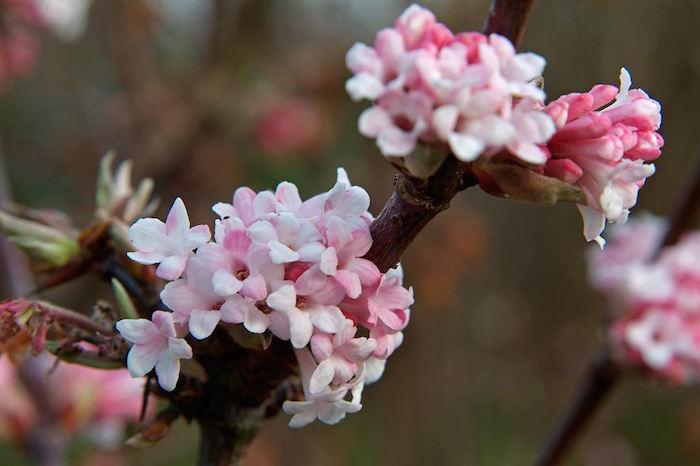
(658, 324)
(603, 139)
(473, 96)
(169, 244)
(282, 265)
(468, 91)
(156, 344)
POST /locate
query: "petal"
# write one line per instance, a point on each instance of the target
(328, 319)
(256, 321)
(350, 282)
(142, 358)
(225, 283)
(444, 120)
(322, 376)
(262, 232)
(234, 310)
(163, 320)
(203, 323)
(284, 299)
(368, 273)
(364, 86)
(178, 222)
(196, 237)
(254, 287)
(305, 414)
(300, 328)
(137, 330)
(288, 194)
(179, 348)
(593, 224)
(373, 122)
(168, 371)
(466, 148)
(146, 258)
(172, 267)
(281, 254)
(148, 235)
(329, 261)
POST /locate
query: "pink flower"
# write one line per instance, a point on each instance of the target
(469, 92)
(329, 405)
(318, 310)
(602, 149)
(156, 344)
(340, 356)
(282, 264)
(170, 244)
(288, 238)
(629, 246)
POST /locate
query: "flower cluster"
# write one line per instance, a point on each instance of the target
(469, 91)
(474, 95)
(96, 403)
(658, 326)
(281, 265)
(602, 146)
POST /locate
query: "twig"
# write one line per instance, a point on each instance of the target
(601, 376)
(604, 373)
(66, 316)
(416, 202)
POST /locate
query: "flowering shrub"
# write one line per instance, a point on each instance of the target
(281, 265)
(471, 94)
(657, 327)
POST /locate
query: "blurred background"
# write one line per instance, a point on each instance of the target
(206, 96)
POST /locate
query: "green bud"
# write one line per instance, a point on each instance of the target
(44, 244)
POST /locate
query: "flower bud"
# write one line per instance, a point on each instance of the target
(46, 245)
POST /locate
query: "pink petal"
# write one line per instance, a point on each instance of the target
(350, 283)
(179, 348)
(322, 376)
(225, 283)
(203, 323)
(284, 299)
(196, 237)
(168, 371)
(146, 258)
(142, 358)
(137, 330)
(178, 221)
(148, 235)
(172, 267)
(367, 272)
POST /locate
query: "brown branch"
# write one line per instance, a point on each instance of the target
(507, 18)
(416, 202)
(596, 385)
(604, 373)
(66, 316)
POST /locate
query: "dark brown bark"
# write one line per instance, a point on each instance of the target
(415, 202)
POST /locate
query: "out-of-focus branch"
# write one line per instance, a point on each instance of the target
(601, 376)
(507, 18)
(685, 209)
(604, 373)
(416, 202)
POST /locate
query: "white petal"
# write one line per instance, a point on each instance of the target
(466, 148)
(203, 323)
